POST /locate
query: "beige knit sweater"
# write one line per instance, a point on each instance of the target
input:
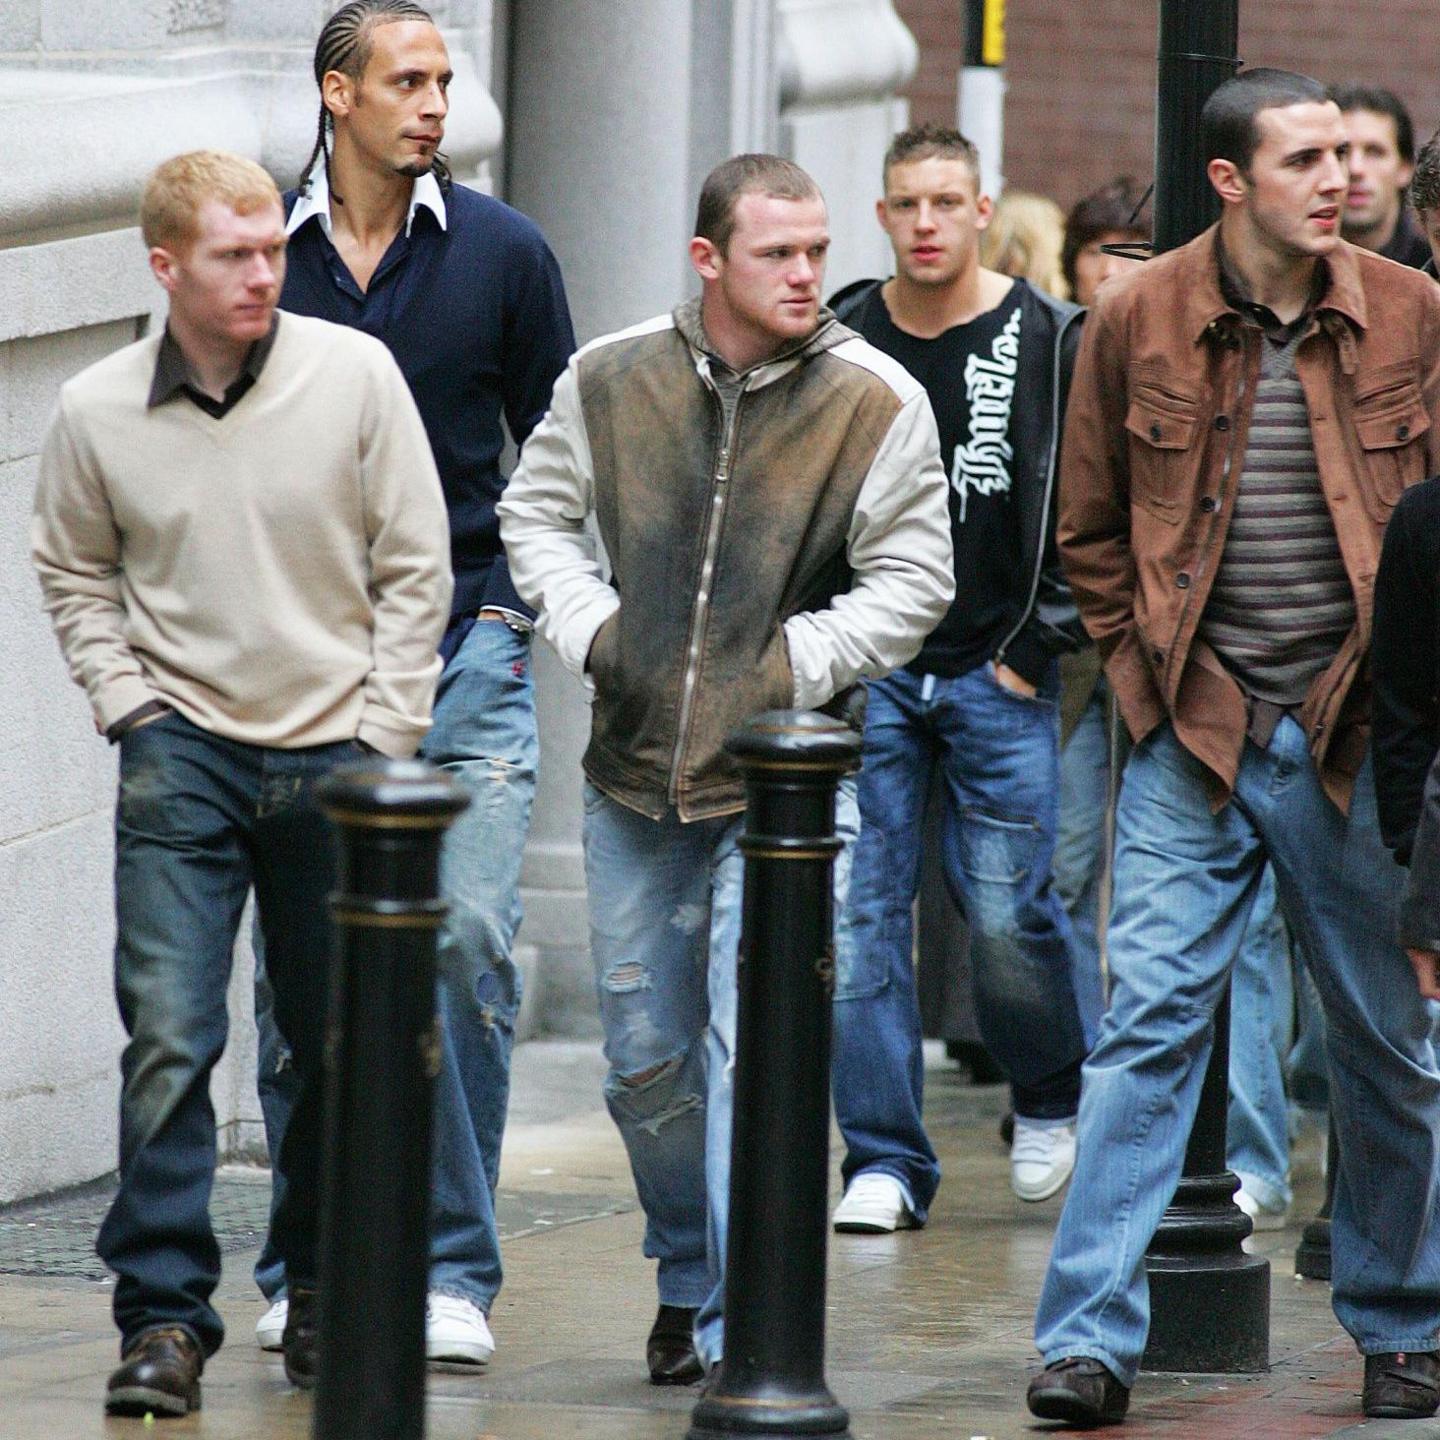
(280, 576)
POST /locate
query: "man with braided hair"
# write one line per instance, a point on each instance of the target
(469, 299)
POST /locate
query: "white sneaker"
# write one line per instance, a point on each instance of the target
(1262, 1217)
(455, 1329)
(1041, 1159)
(270, 1327)
(874, 1204)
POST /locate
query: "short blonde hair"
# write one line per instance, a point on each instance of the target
(176, 191)
(1024, 239)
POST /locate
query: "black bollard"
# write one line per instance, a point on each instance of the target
(1312, 1254)
(771, 1380)
(381, 1057)
(1209, 1300)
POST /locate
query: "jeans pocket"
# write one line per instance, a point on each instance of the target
(997, 849)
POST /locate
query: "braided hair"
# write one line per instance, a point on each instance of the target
(345, 45)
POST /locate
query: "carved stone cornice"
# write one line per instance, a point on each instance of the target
(831, 52)
(118, 122)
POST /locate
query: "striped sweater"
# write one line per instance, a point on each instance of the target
(1281, 604)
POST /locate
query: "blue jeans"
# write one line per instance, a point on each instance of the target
(1262, 1005)
(1080, 847)
(997, 753)
(665, 909)
(199, 820)
(484, 735)
(1186, 881)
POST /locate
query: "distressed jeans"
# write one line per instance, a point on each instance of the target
(484, 736)
(1186, 881)
(997, 753)
(665, 908)
(199, 820)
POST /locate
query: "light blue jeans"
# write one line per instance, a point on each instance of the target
(665, 908)
(1266, 987)
(1186, 881)
(1080, 848)
(484, 736)
(1262, 1007)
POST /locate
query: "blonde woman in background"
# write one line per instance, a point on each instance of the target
(1024, 240)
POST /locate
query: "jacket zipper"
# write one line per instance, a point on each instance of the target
(718, 484)
(1053, 459)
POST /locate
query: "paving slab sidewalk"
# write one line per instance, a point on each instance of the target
(928, 1332)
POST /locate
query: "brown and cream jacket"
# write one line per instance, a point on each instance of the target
(761, 559)
(1155, 440)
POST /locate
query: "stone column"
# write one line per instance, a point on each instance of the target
(840, 64)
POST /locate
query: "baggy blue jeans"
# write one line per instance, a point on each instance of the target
(1186, 881)
(998, 754)
(665, 910)
(199, 820)
(1258, 1133)
(1080, 843)
(483, 735)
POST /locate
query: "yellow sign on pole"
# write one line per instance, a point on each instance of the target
(992, 37)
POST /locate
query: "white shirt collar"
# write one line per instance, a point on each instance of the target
(316, 201)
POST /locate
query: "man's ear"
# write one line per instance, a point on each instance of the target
(164, 267)
(336, 93)
(984, 212)
(705, 256)
(1228, 179)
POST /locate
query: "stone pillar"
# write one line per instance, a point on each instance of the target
(617, 111)
(840, 63)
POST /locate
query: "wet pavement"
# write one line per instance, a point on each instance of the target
(929, 1331)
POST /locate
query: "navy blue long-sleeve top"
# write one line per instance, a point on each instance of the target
(475, 314)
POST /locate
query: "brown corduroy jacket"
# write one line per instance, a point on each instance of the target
(1155, 442)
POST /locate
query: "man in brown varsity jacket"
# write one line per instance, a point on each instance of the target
(769, 492)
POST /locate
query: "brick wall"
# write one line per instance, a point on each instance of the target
(1080, 105)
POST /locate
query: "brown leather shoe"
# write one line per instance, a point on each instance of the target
(1402, 1385)
(1080, 1391)
(670, 1350)
(159, 1375)
(302, 1349)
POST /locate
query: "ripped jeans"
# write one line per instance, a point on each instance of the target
(665, 908)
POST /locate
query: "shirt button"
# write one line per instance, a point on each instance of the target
(1154, 432)
(1182, 581)
(1209, 504)
(1222, 422)
(1158, 656)
(1402, 432)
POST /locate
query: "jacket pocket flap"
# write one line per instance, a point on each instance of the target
(1397, 424)
(1164, 429)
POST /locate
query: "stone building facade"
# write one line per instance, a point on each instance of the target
(597, 117)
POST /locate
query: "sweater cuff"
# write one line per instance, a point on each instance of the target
(500, 591)
(1028, 656)
(119, 700)
(399, 742)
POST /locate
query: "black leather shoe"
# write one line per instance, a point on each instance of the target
(1080, 1391)
(302, 1351)
(670, 1350)
(1401, 1385)
(159, 1375)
